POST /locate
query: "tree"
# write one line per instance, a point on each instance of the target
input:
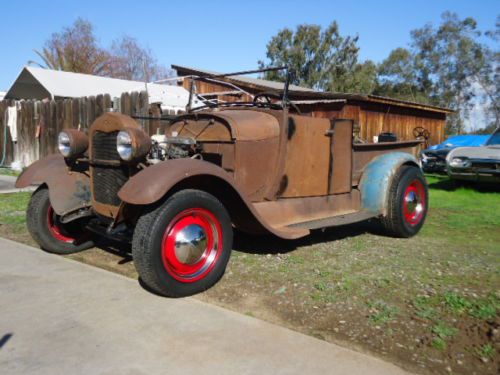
(489, 78)
(446, 66)
(133, 62)
(400, 77)
(320, 59)
(75, 49)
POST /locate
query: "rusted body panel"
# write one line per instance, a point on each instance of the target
(69, 188)
(153, 183)
(307, 157)
(246, 139)
(108, 123)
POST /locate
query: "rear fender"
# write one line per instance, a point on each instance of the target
(154, 183)
(68, 189)
(377, 179)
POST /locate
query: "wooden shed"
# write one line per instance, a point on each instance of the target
(373, 114)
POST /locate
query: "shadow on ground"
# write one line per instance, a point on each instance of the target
(267, 244)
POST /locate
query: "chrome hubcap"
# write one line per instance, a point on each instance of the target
(190, 244)
(413, 203)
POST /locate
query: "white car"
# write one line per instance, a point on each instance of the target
(476, 163)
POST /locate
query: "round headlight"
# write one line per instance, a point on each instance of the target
(460, 162)
(72, 143)
(124, 145)
(64, 144)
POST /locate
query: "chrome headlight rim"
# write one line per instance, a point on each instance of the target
(72, 143)
(460, 162)
(64, 144)
(124, 145)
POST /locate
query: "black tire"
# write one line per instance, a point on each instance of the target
(49, 233)
(400, 221)
(150, 244)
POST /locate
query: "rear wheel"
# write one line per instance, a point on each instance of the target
(182, 246)
(47, 230)
(408, 203)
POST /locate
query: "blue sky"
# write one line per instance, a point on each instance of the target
(221, 35)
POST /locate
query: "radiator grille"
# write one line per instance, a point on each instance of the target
(107, 180)
(104, 146)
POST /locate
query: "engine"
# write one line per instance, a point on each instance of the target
(173, 147)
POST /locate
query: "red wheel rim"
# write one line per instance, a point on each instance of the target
(414, 202)
(191, 245)
(55, 229)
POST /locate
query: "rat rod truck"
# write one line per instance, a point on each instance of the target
(258, 166)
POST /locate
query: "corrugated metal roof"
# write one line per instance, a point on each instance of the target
(308, 94)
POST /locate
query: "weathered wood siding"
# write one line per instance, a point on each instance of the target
(373, 118)
(39, 122)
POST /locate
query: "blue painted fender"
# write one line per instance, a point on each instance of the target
(377, 178)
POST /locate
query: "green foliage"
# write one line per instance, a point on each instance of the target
(382, 312)
(443, 331)
(486, 351)
(445, 65)
(320, 59)
(438, 343)
(457, 303)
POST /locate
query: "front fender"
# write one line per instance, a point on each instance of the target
(153, 183)
(377, 178)
(68, 189)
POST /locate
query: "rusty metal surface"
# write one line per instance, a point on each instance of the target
(365, 153)
(107, 123)
(244, 125)
(153, 183)
(79, 141)
(68, 189)
(341, 157)
(289, 211)
(307, 158)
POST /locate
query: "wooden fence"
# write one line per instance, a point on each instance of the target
(39, 122)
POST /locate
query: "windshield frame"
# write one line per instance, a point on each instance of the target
(214, 78)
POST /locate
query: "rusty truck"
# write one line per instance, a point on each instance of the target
(259, 166)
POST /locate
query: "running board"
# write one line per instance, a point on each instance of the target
(334, 221)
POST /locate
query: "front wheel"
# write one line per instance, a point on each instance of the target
(48, 231)
(408, 203)
(182, 246)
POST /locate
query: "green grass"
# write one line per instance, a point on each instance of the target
(13, 209)
(9, 172)
(486, 351)
(382, 312)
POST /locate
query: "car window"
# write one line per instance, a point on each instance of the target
(494, 139)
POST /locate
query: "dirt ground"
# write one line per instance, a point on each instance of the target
(430, 303)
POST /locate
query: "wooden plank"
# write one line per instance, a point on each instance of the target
(99, 105)
(91, 110)
(143, 104)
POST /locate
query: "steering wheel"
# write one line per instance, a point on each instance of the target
(420, 132)
(268, 95)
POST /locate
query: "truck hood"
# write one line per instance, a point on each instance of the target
(484, 152)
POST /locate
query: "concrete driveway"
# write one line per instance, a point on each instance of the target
(58, 316)
(7, 185)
